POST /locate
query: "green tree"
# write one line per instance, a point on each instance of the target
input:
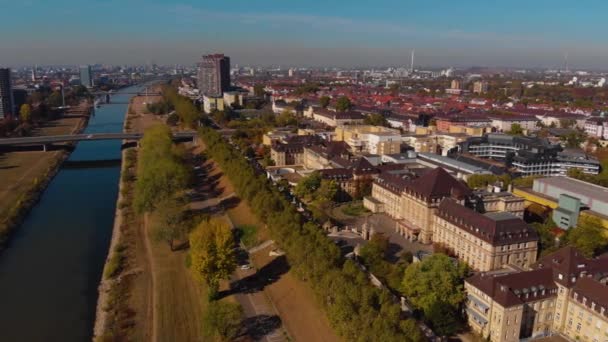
(212, 253)
(25, 113)
(324, 101)
(308, 185)
(574, 139)
(169, 224)
(161, 173)
(222, 320)
(516, 129)
(588, 236)
(376, 120)
(343, 104)
(258, 90)
(287, 118)
(444, 318)
(55, 99)
(436, 281)
(327, 191)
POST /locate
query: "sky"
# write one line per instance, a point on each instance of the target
(458, 33)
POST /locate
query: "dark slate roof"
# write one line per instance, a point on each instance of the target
(501, 229)
(571, 264)
(437, 184)
(513, 289)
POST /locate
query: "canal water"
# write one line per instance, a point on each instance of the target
(50, 272)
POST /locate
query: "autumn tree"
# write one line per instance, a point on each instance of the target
(212, 253)
(25, 113)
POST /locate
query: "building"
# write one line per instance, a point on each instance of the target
(86, 76)
(568, 197)
(504, 123)
(413, 201)
(213, 103)
(370, 139)
(484, 241)
(597, 127)
(214, 75)
(530, 155)
(480, 87)
(7, 101)
(563, 294)
(334, 119)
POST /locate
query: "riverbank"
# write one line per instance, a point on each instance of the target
(27, 174)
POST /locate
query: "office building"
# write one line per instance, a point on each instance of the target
(564, 294)
(7, 102)
(529, 155)
(86, 76)
(214, 75)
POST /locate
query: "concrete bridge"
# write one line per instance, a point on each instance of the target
(54, 139)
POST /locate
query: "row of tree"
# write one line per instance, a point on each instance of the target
(357, 310)
(185, 109)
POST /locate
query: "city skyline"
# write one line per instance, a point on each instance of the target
(465, 34)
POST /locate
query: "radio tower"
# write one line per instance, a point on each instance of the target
(566, 67)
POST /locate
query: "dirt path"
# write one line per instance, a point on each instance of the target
(152, 309)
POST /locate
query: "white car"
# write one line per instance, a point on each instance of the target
(245, 267)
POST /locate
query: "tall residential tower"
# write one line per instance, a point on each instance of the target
(86, 76)
(7, 102)
(214, 75)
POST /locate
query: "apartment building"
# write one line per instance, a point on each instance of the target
(564, 294)
(484, 241)
(370, 139)
(597, 127)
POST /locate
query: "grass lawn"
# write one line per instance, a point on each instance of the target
(354, 209)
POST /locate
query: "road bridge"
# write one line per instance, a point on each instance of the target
(55, 139)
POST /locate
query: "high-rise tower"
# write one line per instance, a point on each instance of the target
(7, 102)
(214, 75)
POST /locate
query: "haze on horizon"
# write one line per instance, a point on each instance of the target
(466, 33)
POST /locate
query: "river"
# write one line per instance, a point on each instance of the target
(50, 271)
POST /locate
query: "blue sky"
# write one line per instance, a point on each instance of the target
(313, 32)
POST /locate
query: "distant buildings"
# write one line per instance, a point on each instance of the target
(214, 75)
(480, 87)
(7, 102)
(370, 139)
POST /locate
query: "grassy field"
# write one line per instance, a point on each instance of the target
(354, 209)
(180, 299)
